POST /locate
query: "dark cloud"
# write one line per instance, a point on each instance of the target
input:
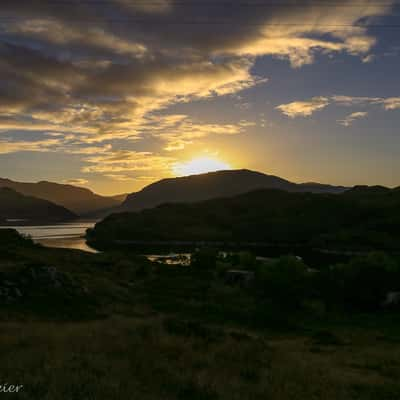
(97, 68)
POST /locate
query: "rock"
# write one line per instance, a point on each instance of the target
(9, 294)
(40, 280)
(239, 277)
(392, 300)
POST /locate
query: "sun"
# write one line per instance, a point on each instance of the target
(200, 165)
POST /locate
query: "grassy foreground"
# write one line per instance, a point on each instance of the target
(127, 358)
(154, 332)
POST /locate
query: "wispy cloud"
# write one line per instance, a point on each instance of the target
(392, 103)
(352, 117)
(123, 161)
(304, 108)
(76, 181)
(180, 130)
(8, 146)
(69, 72)
(103, 76)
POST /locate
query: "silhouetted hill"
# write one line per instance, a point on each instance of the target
(356, 221)
(77, 199)
(213, 185)
(14, 205)
(120, 198)
(368, 190)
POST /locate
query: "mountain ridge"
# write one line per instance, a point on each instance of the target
(77, 199)
(359, 221)
(14, 205)
(227, 183)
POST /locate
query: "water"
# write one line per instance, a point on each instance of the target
(171, 259)
(67, 235)
(72, 236)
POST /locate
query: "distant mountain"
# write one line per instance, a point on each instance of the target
(363, 190)
(214, 185)
(367, 219)
(77, 199)
(14, 205)
(120, 198)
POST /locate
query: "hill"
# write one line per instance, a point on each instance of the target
(120, 198)
(213, 185)
(14, 205)
(352, 220)
(77, 199)
(112, 326)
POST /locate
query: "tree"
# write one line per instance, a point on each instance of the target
(364, 282)
(285, 281)
(204, 259)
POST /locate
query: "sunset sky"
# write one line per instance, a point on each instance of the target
(114, 94)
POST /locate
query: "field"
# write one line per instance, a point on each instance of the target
(140, 330)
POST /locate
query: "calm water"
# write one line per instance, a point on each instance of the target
(67, 235)
(171, 259)
(72, 236)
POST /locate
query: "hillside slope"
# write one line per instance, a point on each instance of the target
(78, 200)
(364, 220)
(213, 185)
(14, 205)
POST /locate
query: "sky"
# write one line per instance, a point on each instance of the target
(115, 94)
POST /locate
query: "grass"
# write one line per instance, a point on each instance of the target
(161, 358)
(153, 332)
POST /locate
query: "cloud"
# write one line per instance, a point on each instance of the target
(94, 72)
(392, 103)
(306, 108)
(151, 7)
(355, 101)
(179, 130)
(388, 103)
(298, 33)
(8, 146)
(119, 177)
(352, 117)
(117, 97)
(303, 108)
(368, 58)
(128, 178)
(72, 55)
(76, 182)
(123, 161)
(63, 34)
(52, 142)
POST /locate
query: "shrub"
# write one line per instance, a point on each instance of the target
(284, 281)
(204, 259)
(364, 282)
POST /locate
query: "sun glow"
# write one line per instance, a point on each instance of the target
(200, 165)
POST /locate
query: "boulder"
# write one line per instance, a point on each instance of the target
(392, 300)
(39, 280)
(239, 277)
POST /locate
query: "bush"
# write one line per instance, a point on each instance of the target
(204, 259)
(284, 281)
(247, 260)
(364, 282)
(192, 329)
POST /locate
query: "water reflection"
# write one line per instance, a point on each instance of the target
(67, 235)
(77, 243)
(171, 259)
(72, 236)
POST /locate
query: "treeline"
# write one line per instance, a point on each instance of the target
(361, 219)
(366, 283)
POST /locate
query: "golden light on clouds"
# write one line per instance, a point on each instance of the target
(200, 165)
